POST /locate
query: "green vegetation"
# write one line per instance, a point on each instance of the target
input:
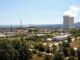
(22, 47)
(14, 50)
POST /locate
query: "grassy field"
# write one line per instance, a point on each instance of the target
(36, 57)
(41, 56)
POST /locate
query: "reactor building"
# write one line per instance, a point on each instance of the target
(68, 22)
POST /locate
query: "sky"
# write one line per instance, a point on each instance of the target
(35, 11)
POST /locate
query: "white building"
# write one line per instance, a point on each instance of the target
(61, 37)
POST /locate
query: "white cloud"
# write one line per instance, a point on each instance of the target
(73, 11)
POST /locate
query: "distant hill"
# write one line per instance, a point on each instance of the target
(50, 26)
(77, 25)
(56, 26)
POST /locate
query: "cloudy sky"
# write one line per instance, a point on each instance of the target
(36, 11)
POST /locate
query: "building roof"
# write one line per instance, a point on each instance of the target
(61, 37)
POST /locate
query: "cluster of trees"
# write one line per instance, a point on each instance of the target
(62, 52)
(14, 50)
(75, 33)
(19, 49)
(33, 30)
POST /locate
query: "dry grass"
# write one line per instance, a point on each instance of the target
(36, 57)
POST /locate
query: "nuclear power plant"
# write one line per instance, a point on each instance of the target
(68, 22)
(68, 18)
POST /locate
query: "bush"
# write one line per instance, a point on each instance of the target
(34, 51)
(47, 57)
(14, 50)
(58, 56)
(7, 52)
(71, 58)
(23, 50)
(40, 54)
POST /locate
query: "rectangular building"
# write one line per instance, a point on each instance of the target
(68, 22)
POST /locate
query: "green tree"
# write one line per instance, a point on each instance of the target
(71, 58)
(69, 39)
(78, 53)
(40, 47)
(65, 44)
(75, 33)
(23, 48)
(58, 56)
(30, 30)
(72, 52)
(7, 52)
(65, 51)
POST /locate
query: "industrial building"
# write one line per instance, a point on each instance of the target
(68, 22)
